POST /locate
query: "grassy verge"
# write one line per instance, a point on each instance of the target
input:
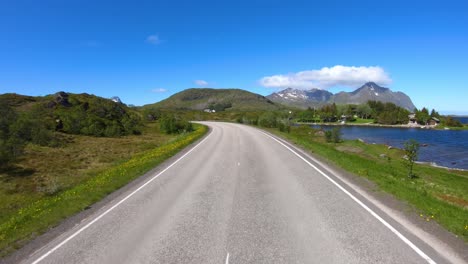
(35, 215)
(362, 121)
(442, 127)
(437, 194)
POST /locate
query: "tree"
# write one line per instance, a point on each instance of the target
(351, 110)
(364, 111)
(452, 122)
(435, 114)
(423, 116)
(10, 145)
(411, 148)
(307, 115)
(333, 135)
(329, 113)
(341, 110)
(377, 107)
(168, 124)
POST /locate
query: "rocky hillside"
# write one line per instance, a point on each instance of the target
(75, 113)
(301, 98)
(317, 97)
(219, 99)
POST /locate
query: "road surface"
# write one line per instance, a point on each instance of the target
(239, 196)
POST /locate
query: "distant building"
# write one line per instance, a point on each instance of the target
(412, 119)
(344, 118)
(433, 121)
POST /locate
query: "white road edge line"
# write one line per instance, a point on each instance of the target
(374, 214)
(227, 259)
(114, 206)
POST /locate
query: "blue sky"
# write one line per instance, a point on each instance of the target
(145, 51)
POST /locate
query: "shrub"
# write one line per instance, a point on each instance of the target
(411, 148)
(333, 135)
(167, 124)
(171, 124)
(218, 107)
(328, 136)
(451, 122)
(336, 134)
(94, 116)
(10, 145)
(267, 119)
(152, 114)
(283, 126)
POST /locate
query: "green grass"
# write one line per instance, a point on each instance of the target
(74, 177)
(436, 194)
(442, 127)
(362, 121)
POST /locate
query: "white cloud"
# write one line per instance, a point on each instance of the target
(159, 90)
(201, 83)
(326, 77)
(153, 39)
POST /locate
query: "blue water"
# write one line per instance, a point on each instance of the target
(463, 119)
(448, 148)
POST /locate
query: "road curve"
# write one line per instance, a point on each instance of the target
(239, 196)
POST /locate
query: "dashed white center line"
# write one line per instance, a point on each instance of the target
(227, 258)
(238, 163)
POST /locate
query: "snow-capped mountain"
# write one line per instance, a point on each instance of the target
(301, 98)
(116, 99)
(316, 97)
(374, 92)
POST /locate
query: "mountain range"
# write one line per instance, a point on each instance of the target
(203, 98)
(68, 105)
(316, 97)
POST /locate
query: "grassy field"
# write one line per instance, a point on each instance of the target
(436, 194)
(50, 184)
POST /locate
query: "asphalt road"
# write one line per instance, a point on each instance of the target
(239, 196)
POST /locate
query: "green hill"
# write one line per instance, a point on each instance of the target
(72, 113)
(217, 99)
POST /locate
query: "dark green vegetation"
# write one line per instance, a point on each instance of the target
(451, 122)
(172, 124)
(436, 194)
(381, 113)
(423, 117)
(333, 135)
(82, 114)
(215, 99)
(17, 129)
(63, 152)
(374, 112)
